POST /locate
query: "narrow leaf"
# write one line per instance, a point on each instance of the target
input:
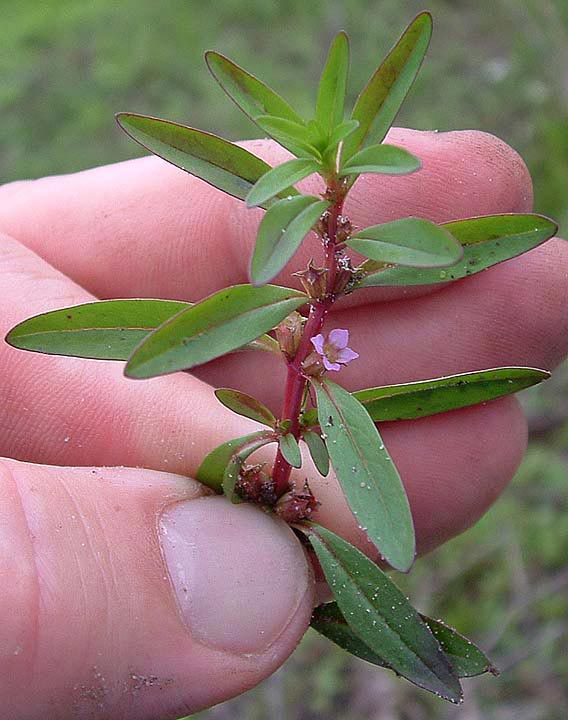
(387, 159)
(230, 477)
(409, 241)
(340, 132)
(318, 451)
(220, 163)
(217, 325)
(380, 100)
(245, 405)
(428, 397)
(249, 93)
(466, 659)
(280, 178)
(290, 450)
(105, 330)
(333, 82)
(487, 241)
(212, 468)
(381, 616)
(366, 473)
(291, 135)
(280, 234)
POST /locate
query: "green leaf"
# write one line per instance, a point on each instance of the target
(245, 405)
(381, 616)
(333, 82)
(105, 330)
(366, 473)
(290, 135)
(487, 241)
(226, 166)
(428, 397)
(290, 450)
(387, 159)
(318, 451)
(280, 234)
(340, 132)
(280, 178)
(409, 241)
(380, 100)
(249, 93)
(212, 469)
(219, 324)
(466, 659)
(309, 418)
(230, 477)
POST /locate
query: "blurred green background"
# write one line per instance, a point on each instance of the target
(67, 66)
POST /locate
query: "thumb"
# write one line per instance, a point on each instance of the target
(126, 593)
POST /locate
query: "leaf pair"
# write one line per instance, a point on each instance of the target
(373, 620)
(466, 659)
(365, 471)
(159, 337)
(486, 241)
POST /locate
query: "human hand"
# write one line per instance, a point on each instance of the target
(85, 568)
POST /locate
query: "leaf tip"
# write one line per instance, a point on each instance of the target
(132, 372)
(122, 118)
(425, 17)
(213, 58)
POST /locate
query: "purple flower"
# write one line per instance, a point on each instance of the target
(334, 352)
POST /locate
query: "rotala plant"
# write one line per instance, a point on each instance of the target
(370, 616)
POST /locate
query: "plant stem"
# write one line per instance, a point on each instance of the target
(296, 380)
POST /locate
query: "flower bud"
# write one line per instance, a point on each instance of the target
(295, 506)
(289, 333)
(313, 365)
(313, 280)
(255, 486)
(344, 276)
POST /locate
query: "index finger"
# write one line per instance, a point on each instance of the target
(146, 228)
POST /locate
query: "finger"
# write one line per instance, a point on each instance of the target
(178, 237)
(154, 601)
(71, 411)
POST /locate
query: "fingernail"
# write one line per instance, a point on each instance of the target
(239, 575)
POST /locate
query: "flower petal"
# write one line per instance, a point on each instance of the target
(317, 341)
(331, 365)
(346, 355)
(339, 338)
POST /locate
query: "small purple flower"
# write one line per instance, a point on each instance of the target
(334, 352)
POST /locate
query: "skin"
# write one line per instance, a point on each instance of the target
(95, 488)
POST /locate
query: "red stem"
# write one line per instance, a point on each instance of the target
(296, 380)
